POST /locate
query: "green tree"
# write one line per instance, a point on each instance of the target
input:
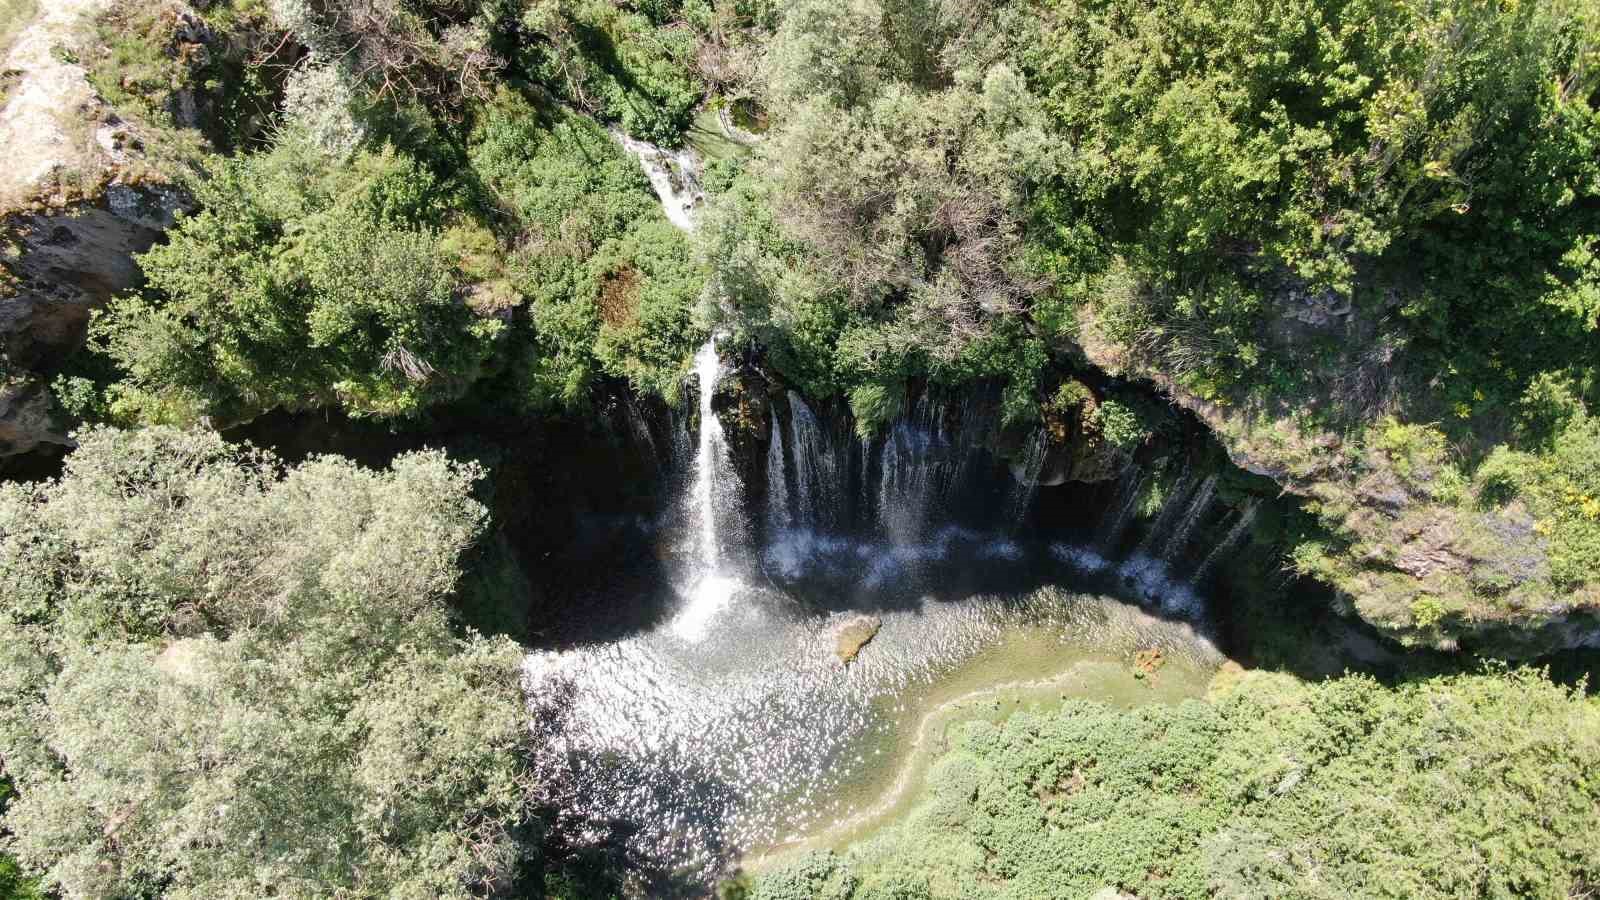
(305, 279)
(895, 185)
(226, 679)
(610, 285)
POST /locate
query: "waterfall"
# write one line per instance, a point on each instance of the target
(778, 516)
(1170, 509)
(1226, 548)
(1196, 511)
(913, 466)
(1026, 471)
(978, 416)
(714, 489)
(675, 176)
(1122, 513)
(864, 500)
(713, 486)
(905, 483)
(711, 467)
(816, 468)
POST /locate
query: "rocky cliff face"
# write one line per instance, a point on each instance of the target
(1405, 553)
(76, 203)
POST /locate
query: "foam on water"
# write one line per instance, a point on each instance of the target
(725, 723)
(1153, 581)
(1082, 559)
(710, 596)
(674, 176)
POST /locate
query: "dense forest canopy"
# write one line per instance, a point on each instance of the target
(1358, 239)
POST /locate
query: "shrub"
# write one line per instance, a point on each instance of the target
(875, 406)
(1467, 785)
(1562, 488)
(586, 214)
(1120, 425)
(617, 64)
(196, 641)
(303, 280)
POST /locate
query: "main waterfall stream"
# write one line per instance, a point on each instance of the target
(722, 727)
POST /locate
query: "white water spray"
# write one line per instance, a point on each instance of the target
(816, 468)
(1122, 515)
(673, 174)
(1171, 508)
(778, 516)
(713, 490)
(1196, 511)
(1026, 471)
(1228, 545)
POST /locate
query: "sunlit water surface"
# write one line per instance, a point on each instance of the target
(730, 730)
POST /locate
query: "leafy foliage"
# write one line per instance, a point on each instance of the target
(193, 81)
(304, 279)
(434, 52)
(1562, 489)
(1468, 785)
(1355, 224)
(616, 63)
(1120, 425)
(609, 282)
(894, 194)
(223, 681)
(13, 884)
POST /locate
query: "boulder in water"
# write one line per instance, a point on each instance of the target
(855, 633)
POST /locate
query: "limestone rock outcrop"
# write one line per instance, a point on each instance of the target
(76, 203)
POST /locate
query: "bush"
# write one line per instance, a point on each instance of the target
(1562, 490)
(303, 280)
(875, 405)
(1120, 425)
(193, 82)
(610, 282)
(619, 65)
(195, 641)
(1467, 785)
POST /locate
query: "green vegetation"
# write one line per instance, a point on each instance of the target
(14, 885)
(608, 280)
(305, 279)
(1477, 785)
(413, 233)
(1358, 239)
(225, 679)
(191, 82)
(1306, 221)
(616, 63)
(881, 237)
